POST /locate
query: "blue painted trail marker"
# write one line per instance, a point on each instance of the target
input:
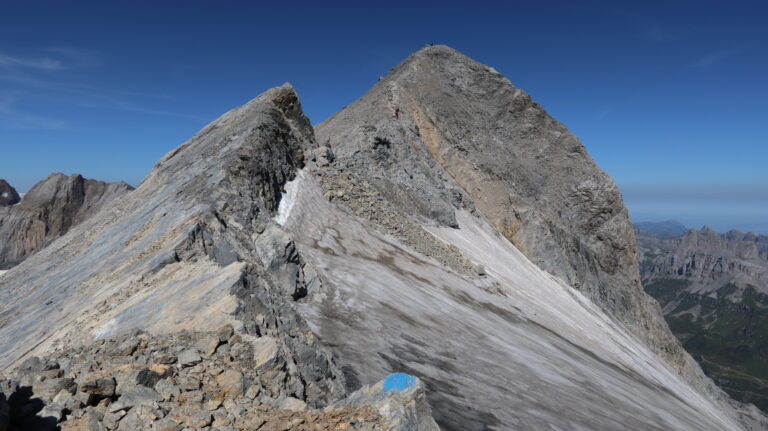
(398, 382)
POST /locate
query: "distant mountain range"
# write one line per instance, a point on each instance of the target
(662, 229)
(713, 289)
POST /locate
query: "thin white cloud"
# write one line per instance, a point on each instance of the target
(603, 112)
(105, 102)
(75, 57)
(11, 62)
(6, 100)
(55, 59)
(11, 118)
(35, 122)
(30, 74)
(137, 94)
(711, 59)
(655, 33)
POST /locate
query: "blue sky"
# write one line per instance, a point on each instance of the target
(670, 98)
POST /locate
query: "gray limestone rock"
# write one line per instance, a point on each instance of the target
(401, 399)
(136, 396)
(442, 133)
(99, 387)
(167, 389)
(8, 195)
(231, 382)
(52, 410)
(147, 377)
(48, 211)
(322, 156)
(167, 424)
(440, 122)
(292, 404)
(265, 352)
(189, 357)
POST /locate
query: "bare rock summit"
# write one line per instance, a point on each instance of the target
(442, 132)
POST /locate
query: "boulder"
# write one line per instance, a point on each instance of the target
(167, 424)
(265, 352)
(137, 396)
(401, 399)
(189, 357)
(100, 387)
(147, 377)
(231, 382)
(293, 404)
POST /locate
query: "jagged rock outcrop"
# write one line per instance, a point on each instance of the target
(8, 195)
(400, 399)
(48, 211)
(713, 289)
(442, 132)
(338, 283)
(708, 259)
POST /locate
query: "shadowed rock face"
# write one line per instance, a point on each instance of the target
(8, 195)
(442, 132)
(48, 211)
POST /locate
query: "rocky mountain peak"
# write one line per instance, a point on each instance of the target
(238, 163)
(442, 133)
(8, 195)
(49, 210)
(410, 238)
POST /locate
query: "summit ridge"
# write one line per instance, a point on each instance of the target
(443, 226)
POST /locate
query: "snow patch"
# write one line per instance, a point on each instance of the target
(288, 199)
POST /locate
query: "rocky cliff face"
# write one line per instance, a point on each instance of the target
(709, 260)
(714, 292)
(48, 211)
(335, 268)
(442, 132)
(193, 248)
(187, 231)
(8, 195)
